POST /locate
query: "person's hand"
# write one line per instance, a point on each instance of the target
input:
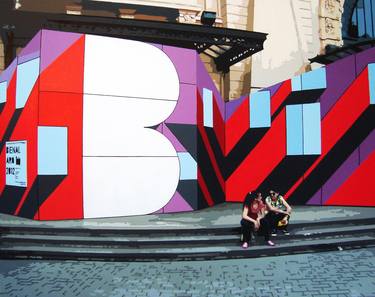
(256, 225)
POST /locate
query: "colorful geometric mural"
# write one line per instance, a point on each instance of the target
(94, 126)
(316, 150)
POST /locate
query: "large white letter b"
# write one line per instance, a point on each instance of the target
(127, 169)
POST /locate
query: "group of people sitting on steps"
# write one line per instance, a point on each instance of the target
(265, 217)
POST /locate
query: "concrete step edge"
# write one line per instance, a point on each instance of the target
(139, 240)
(140, 231)
(183, 254)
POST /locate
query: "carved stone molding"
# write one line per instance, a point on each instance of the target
(330, 14)
(126, 13)
(73, 9)
(331, 9)
(188, 16)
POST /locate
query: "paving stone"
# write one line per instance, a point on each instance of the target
(339, 273)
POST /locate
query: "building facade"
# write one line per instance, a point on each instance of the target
(297, 31)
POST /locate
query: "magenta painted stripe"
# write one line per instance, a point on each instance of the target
(177, 204)
(231, 106)
(364, 58)
(185, 111)
(159, 46)
(185, 62)
(54, 43)
(273, 89)
(340, 176)
(316, 199)
(7, 74)
(31, 50)
(340, 75)
(367, 147)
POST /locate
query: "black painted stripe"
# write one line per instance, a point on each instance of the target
(208, 173)
(10, 128)
(286, 173)
(42, 188)
(10, 198)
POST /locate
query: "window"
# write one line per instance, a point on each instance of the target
(362, 20)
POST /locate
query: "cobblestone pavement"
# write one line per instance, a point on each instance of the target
(339, 273)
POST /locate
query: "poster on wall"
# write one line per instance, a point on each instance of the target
(16, 163)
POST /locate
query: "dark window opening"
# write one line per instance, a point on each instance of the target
(362, 21)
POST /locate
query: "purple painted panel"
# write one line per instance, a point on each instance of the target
(159, 46)
(231, 106)
(184, 61)
(54, 43)
(367, 147)
(273, 89)
(160, 128)
(316, 199)
(340, 176)
(339, 77)
(204, 81)
(364, 58)
(177, 204)
(32, 49)
(185, 111)
(176, 144)
(7, 74)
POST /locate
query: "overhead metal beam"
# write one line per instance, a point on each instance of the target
(240, 44)
(343, 52)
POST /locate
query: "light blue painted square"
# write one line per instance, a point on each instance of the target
(371, 80)
(296, 83)
(315, 79)
(188, 166)
(311, 129)
(294, 130)
(3, 91)
(52, 150)
(260, 109)
(27, 74)
(208, 119)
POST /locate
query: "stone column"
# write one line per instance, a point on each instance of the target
(237, 14)
(2, 56)
(330, 13)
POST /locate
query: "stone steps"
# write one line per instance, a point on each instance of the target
(212, 252)
(171, 244)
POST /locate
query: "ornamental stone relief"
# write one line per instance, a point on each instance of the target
(330, 14)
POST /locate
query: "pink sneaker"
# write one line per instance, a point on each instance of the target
(270, 243)
(245, 245)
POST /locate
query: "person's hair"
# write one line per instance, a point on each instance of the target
(261, 196)
(248, 199)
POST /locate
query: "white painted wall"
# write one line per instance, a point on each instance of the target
(293, 37)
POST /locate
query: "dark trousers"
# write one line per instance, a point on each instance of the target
(274, 218)
(248, 227)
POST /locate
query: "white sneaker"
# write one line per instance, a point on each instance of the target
(270, 243)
